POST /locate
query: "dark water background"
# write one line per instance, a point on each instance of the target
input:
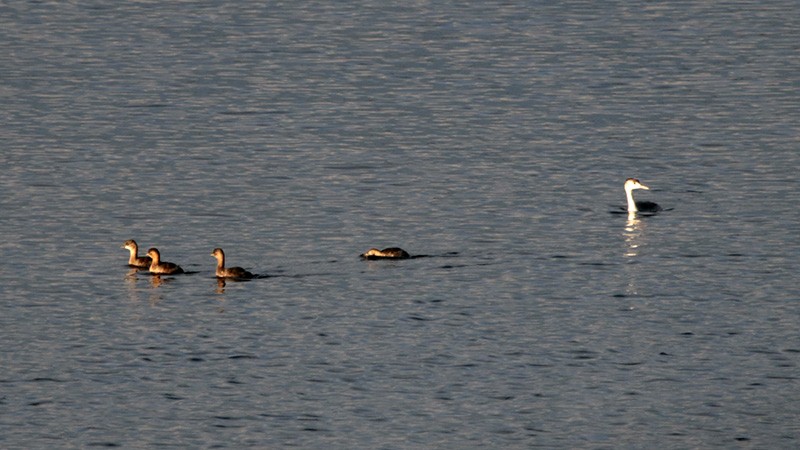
(493, 137)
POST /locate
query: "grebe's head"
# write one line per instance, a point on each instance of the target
(633, 183)
(153, 253)
(372, 252)
(218, 253)
(130, 244)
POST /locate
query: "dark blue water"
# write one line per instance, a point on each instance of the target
(493, 138)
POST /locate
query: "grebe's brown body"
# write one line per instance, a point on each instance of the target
(159, 267)
(135, 260)
(387, 253)
(229, 272)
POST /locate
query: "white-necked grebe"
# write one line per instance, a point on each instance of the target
(135, 260)
(156, 266)
(230, 272)
(387, 253)
(634, 206)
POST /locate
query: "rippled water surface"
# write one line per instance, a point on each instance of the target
(493, 138)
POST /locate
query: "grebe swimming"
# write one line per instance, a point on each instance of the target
(231, 272)
(156, 266)
(387, 253)
(135, 260)
(634, 206)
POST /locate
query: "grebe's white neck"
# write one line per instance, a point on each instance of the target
(631, 203)
(630, 185)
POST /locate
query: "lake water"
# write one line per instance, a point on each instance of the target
(494, 138)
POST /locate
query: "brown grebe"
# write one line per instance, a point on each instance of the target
(231, 272)
(387, 253)
(634, 206)
(135, 260)
(156, 266)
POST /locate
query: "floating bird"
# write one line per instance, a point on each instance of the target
(158, 267)
(231, 272)
(634, 206)
(135, 260)
(387, 253)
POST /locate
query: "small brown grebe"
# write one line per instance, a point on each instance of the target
(634, 206)
(135, 260)
(387, 253)
(156, 266)
(231, 272)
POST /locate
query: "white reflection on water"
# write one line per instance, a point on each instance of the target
(634, 235)
(634, 228)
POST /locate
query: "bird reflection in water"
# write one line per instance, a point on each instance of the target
(634, 235)
(154, 281)
(131, 277)
(220, 286)
(221, 299)
(157, 280)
